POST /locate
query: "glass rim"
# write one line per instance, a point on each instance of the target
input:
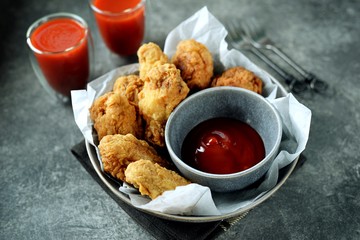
(53, 16)
(114, 14)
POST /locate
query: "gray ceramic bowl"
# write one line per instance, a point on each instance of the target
(231, 102)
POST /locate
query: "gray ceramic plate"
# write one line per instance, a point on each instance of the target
(113, 186)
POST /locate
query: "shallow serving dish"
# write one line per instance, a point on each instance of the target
(113, 186)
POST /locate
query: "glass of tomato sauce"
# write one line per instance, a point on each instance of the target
(61, 51)
(121, 24)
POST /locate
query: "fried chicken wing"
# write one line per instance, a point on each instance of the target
(163, 90)
(195, 63)
(150, 54)
(118, 151)
(152, 179)
(112, 114)
(129, 86)
(239, 77)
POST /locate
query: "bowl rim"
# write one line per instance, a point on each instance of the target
(177, 159)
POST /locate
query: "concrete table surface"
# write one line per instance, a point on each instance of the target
(46, 194)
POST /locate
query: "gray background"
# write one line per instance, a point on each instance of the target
(46, 194)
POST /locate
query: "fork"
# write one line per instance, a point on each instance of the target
(258, 39)
(237, 36)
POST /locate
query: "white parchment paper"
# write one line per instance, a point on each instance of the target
(194, 199)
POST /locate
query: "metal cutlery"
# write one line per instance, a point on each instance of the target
(256, 36)
(238, 37)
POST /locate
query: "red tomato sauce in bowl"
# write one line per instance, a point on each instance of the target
(222, 146)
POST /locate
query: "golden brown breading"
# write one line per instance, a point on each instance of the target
(112, 114)
(150, 54)
(195, 63)
(129, 86)
(239, 77)
(118, 151)
(163, 90)
(152, 179)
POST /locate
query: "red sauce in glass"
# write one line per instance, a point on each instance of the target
(122, 33)
(222, 146)
(64, 70)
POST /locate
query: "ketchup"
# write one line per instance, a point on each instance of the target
(64, 69)
(122, 32)
(222, 146)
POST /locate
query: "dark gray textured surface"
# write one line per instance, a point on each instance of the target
(46, 194)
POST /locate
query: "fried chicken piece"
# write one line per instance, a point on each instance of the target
(152, 179)
(129, 86)
(118, 151)
(112, 114)
(150, 54)
(163, 90)
(239, 77)
(195, 63)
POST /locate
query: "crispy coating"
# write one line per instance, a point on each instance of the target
(150, 54)
(239, 77)
(163, 90)
(118, 151)
(195, 63)
(129, 86)
(112, 114)
(152, 179)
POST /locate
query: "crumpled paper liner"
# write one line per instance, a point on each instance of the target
(194, 199)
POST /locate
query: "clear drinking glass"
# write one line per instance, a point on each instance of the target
(121, 24)
(61, 53)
